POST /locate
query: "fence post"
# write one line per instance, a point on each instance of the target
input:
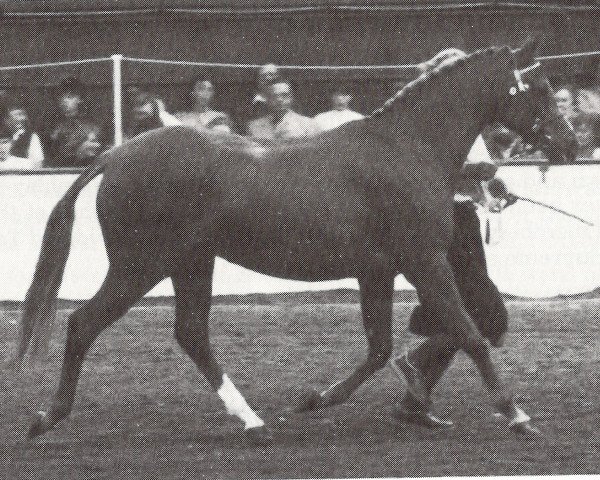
(117, 98)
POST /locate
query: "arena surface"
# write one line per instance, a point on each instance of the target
(143, 411)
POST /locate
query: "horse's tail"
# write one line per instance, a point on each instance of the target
(39, 307)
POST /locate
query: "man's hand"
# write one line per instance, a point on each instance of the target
(510, 199)
(499, 191)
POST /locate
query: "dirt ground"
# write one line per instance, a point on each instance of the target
(143, 411)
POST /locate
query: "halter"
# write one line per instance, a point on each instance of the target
(522, 86)
(539, 125)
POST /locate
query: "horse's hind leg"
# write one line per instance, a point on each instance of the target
(193, 290)
(120, 290)
(376, 295)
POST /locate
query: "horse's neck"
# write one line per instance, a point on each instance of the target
(447, 112)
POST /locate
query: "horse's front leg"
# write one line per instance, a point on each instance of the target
(376, 292)
(436, 285)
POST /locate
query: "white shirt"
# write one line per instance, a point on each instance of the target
(334, 118)
(479, 152)
(35, 155)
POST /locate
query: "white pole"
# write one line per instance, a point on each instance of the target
(117, 98)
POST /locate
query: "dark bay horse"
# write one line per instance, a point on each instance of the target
(368, 200)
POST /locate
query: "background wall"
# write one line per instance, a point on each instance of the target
(533, 252)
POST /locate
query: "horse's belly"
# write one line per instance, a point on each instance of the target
(295, 264)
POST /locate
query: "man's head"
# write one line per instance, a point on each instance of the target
(144, 107)
(203, 91)
(268, 74)
(340, 99)
(564, 101)
(70, 96)
(14, 115)
(280, 97)
(586, 129)
(16, 118)
(446, 55)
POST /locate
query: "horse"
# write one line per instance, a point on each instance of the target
(370, 200)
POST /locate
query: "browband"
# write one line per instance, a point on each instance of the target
(523, 87)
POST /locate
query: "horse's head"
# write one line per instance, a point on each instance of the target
(528, 107)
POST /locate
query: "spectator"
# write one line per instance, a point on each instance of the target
(22, 148)
(565, 102)
(588, 102)
(147, 113)
(586, 127)
(203, 116)
(74, 140)
(281, 122)
(267, 75)
(340, 113)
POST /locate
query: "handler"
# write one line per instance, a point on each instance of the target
(423, 367)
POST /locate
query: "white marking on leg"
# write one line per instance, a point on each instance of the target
(236, 404)
(519, 417)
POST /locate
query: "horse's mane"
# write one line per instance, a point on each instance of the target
(426, 78)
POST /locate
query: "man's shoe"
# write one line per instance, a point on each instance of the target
(412, 376)
(421, 417)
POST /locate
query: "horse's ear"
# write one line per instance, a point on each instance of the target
(525, 55)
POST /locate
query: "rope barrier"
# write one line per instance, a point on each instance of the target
(281, 67)
(55, 64)
(256, 66)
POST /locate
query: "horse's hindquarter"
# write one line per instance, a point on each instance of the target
(150, 202)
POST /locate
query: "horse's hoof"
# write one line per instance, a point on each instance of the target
(424, 418)
(310, 400)
(259, 436)
(526, 430)
(39, 425)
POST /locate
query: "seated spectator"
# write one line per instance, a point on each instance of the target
(267, 75)
(565, 102)
(340, 113)
(281, 123)
(587, 101)
(21, 146)
(203, 116)
(147, 113)
(73, 139)
(586, 127)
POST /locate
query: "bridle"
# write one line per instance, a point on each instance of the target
(522, 87)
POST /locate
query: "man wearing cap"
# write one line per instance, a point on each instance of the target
(73, 139)
(423, 367)
(281, 123)
(340, 112)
